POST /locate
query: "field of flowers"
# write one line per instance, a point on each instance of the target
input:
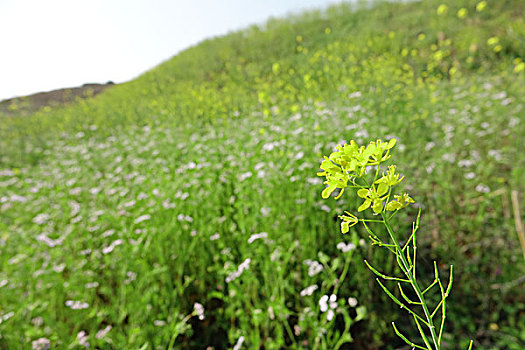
(182, 209)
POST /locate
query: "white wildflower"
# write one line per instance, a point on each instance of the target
(330, 315)
(345, 247)
(257, 236)
(91, 285)
(109, 249)
(108, 233)
(40, 219)
(6, 316)
(41, 344)
(323, 303)
(313, 267)
(17, 198)
(83, 339)
(129, 204)
(236, 274)
(308, 290)
(103, 332)
(142, 218)
(238, 345)
(265, 211)
(482, 188)
(199, 310)
(429, 146)
(244, 176)
(76, 305)
(352, 302)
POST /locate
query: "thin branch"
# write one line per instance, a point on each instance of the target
(428, 288)
(385, 276)
(423, 335)
(403, 306)
(406, 340)
(405, 297)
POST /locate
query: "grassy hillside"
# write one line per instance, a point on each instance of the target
(196, 183)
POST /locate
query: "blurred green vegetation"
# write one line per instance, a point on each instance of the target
(121, 211)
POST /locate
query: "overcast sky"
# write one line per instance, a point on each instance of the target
(51, 44)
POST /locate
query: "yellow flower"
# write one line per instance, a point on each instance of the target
(481, 6)
(520, 67)
(462, 13)
(442, 9)
(493, 40)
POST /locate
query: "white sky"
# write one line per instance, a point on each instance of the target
(51, 44)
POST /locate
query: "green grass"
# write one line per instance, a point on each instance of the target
(223, 141)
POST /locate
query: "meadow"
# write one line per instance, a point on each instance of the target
(183, 210)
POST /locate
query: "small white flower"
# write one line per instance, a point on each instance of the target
(41, 344)
(482, 188)
(40, 219)
(308, 290)
(199, 310)
(109, 249)
(429, 146)
(91, 285)
(323, 303)
(345, 248)
(330, 315)
(265, 211)
(103, 332)
(6, 316)
(83, 339)
(238, 345)
(245, 265)
(352, 302)
(142, 218)
(314, 268)
(244, 176)
(76, 305)
(333, 299)
(257, 236)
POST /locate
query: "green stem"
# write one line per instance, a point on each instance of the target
(176, 331)
(413, 282)
(343, 276)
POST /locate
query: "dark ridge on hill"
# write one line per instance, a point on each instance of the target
(34, 102)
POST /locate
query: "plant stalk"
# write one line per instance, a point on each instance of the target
(413, 282)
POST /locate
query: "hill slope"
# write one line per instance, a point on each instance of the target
(32, 103)
(122, 211)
